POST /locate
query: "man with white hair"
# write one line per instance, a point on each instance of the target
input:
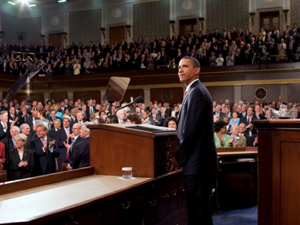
(3, 127)
(121, 114)
(81, 153)
(13, 132)
(25, 129)
(236, 140)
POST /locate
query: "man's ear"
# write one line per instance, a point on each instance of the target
(197, 70)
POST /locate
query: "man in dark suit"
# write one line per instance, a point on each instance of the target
(247, 120)
(45, 151)
(53, 132)
(81, 153)
(90, 109)
(75, 140)
(63, 135)
(25, 129)
(53, 117)
(31, 120)
(3, 127)
(11, 141)
(218, 112)
(22, 115)
(196, 151)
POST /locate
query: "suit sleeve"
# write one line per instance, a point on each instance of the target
(36, 149)
(194, 118)
(76, 156)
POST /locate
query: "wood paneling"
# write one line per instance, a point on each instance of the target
(116, 33)
(86, 95)
(221, 93)
(32, 97)
(177, 94)
(59, 96)
(132, 93)
(289, 186)
(55, 39)
(278, 171)
(273, 91)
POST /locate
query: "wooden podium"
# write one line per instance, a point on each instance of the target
(278, 171)
(147, 149)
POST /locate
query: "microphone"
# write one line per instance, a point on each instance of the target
(138, 99)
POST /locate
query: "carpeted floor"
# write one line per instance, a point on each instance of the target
(246, 216)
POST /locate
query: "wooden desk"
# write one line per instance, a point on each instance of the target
(278, 171)
(236, 181)
(37, 204)
(237, 155)
(95, 194)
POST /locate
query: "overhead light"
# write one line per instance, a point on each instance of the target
(12, 3)
(32, 5)
(61, 1)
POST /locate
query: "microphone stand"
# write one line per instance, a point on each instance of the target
(6, 164)
(31, 72)
(111, 117)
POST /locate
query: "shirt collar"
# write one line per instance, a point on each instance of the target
(188, 87)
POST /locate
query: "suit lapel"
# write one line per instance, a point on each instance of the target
(187, 96)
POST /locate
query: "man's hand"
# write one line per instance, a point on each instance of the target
(175, 164)
(67, 145)
(51, 143)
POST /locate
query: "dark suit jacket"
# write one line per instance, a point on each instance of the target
(51, 120)
(196, 150)
(29, 121)
(88, 112)
(53, 134)
(17, 172)
(61, 137)
(73, 147)
(221, 115)
(81, 154)
(253, 130)
(21, 118)
(158, 118)
(10, 144)
(46, 161)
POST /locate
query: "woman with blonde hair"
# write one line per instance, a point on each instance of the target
(21, 159)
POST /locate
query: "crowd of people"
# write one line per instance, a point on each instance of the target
(226, 48)
(38, 138)
(44, 136)
(233, 123)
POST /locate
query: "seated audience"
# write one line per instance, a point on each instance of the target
(220, 136)
(171, 122)
(236, 140)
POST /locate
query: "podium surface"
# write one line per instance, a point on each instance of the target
(278, 171)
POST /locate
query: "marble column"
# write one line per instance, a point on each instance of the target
(70, 95)
(237, 95)
(102, 92)
(147, 96)
(284, 92)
